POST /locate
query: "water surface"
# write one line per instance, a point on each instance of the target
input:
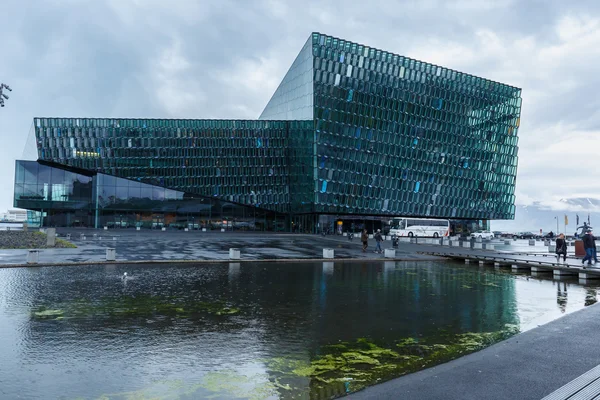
(258, 331)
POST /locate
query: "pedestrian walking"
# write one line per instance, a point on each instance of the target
(364, 238)
(561, 248)
(378, 240)
(588, 244)
(594, 253)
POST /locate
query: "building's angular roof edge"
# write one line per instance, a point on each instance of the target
(414, 59)
(173, 119)
(306, 46)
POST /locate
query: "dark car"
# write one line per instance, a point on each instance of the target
(524, 235)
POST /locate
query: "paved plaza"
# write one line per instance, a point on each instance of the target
(156, 246)
(173, 245)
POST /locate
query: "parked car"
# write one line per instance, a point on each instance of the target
(524, 235)
(482, 234)
(497, 234)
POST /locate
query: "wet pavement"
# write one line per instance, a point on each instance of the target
(171, 245)
(131, 245)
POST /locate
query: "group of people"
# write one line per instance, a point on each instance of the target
(364, 238)
(589, 244)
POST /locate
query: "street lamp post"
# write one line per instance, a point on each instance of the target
(556, 218)
(2, 95)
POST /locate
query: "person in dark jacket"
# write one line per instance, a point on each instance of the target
(594, 254)
(378, 240)
(561, 247)
(589, 245)
(364, 238)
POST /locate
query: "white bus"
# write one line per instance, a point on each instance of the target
(419, 227)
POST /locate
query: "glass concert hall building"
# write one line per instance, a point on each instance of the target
(352, 135)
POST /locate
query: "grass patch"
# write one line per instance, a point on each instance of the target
(64, 244)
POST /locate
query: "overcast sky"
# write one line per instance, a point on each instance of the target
(224, 59)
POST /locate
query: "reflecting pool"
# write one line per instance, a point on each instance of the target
(256, 331)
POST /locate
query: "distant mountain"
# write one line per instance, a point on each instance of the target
(584, 203)
(544, 215)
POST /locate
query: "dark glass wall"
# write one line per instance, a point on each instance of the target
(404, 137)
(239, 161)
(43, 188)
(71, 199)
(302, 167)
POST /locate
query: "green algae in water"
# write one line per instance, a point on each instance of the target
(351, 366)
(407, 341)
(136, 307)
(45, 313)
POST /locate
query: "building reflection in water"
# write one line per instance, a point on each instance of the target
(590, 296)
(561, 296)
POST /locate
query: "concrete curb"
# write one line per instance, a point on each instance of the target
(220, 261)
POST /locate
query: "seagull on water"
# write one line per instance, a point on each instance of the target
(124, 276)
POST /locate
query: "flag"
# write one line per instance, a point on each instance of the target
(566, 220)
(577, 221)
